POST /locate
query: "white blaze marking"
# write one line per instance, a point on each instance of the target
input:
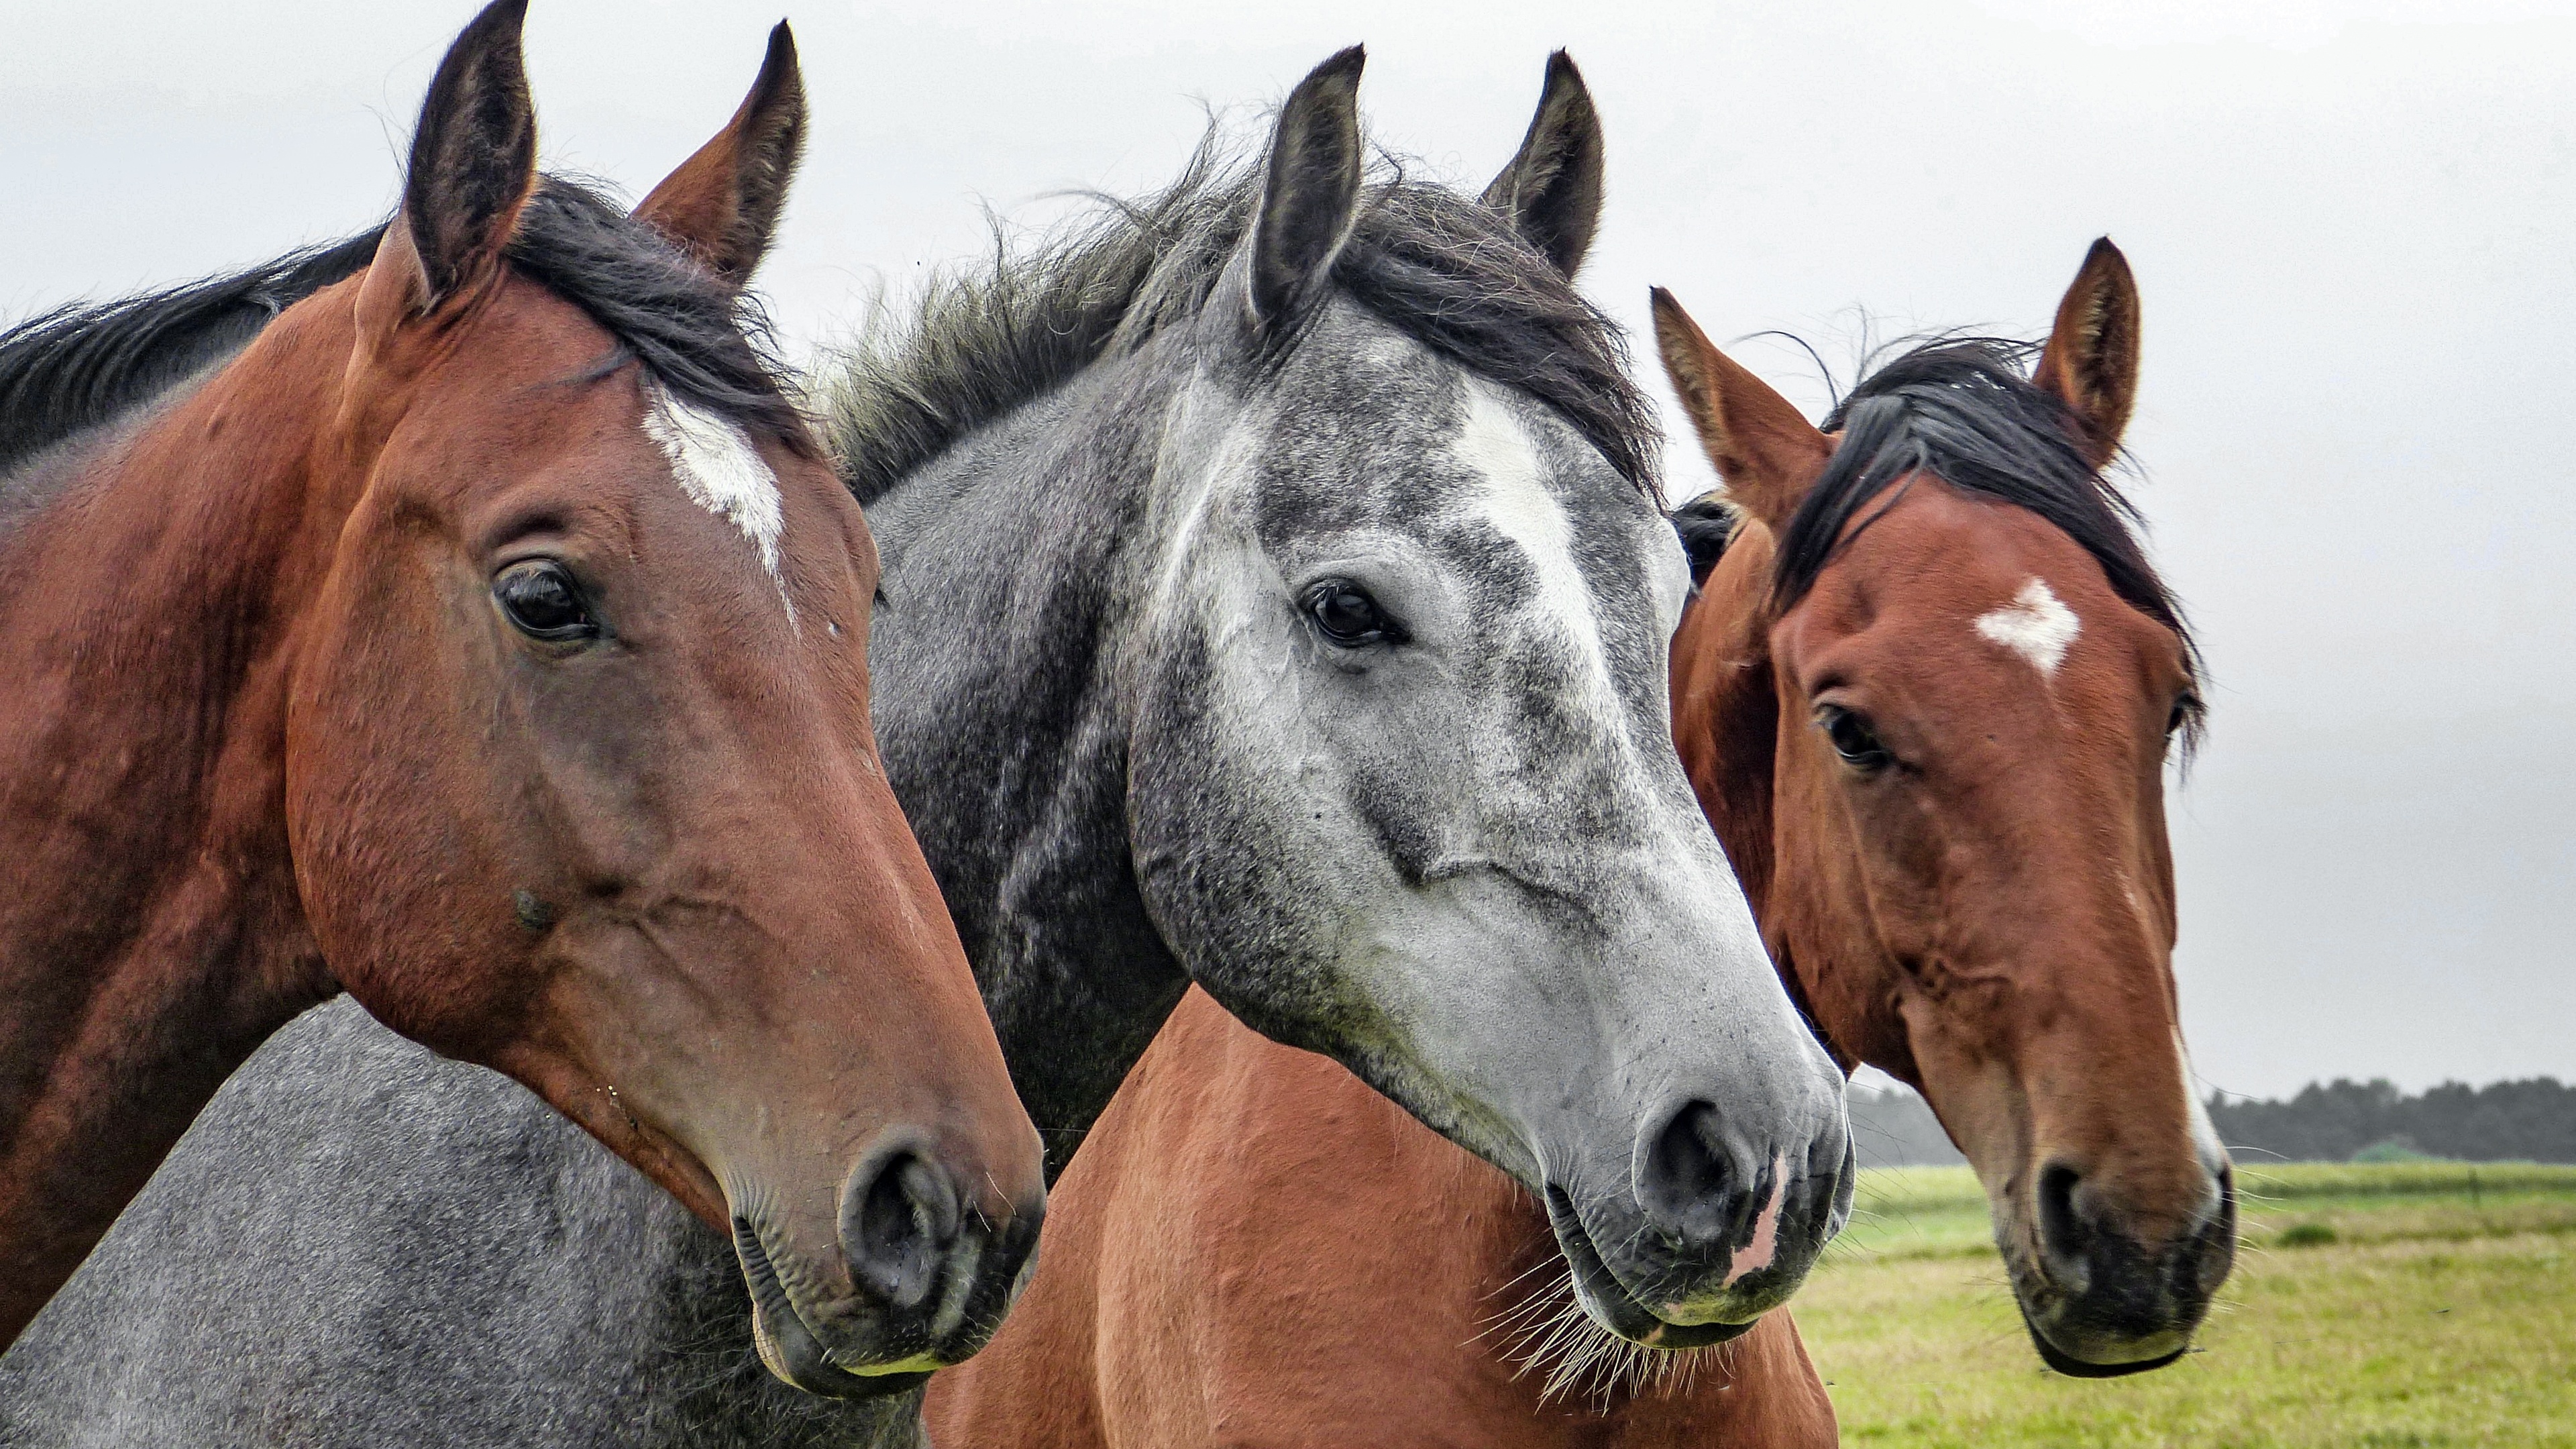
(719, 468)
(1519, 506)
(2035, 625)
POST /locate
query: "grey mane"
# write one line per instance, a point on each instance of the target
(1439, 266)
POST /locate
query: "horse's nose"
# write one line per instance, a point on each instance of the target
(1700, 1181)
(899, 1222)
(2125, 1295)
(1691, 1180)
(908, 1221)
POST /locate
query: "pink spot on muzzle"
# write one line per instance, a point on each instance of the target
(1755, 1255)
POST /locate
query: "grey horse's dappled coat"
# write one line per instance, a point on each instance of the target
(1274, 596)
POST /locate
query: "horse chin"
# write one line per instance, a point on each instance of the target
(789, 1348)
(2108, 1332)
(2108, 1358)
(2073, 1367)
(1608, 1302)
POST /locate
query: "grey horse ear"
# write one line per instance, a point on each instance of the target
(1552, 189)
(722, 205)
(1311, 197)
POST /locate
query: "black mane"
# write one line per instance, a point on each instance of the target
(85, 365)
(1441, 267)
(1707, 526)
(78, 366)
(1965, 410)
(701, 339)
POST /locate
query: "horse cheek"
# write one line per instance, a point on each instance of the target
(394, 838)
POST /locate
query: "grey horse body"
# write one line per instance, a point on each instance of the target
(362, 1244)
(1463, 862)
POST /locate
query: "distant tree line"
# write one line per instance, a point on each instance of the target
(2528, 1121)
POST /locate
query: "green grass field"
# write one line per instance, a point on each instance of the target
(2373, 1307)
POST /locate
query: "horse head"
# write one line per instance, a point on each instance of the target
(579, 773)
(1403, 778)
(1929, 691)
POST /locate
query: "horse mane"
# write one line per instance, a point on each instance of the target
(85, 364)
(1707, 526)
(88, 364)
(1439, 266)
(1965, 410)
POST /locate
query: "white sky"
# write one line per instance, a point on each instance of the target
(2352, 225)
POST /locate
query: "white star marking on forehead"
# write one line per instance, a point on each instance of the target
(2035, 625)
(719, 468)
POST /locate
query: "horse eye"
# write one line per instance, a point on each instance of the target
(2184, 708)
(541, 601)
(1348, 616)
(1853, 739)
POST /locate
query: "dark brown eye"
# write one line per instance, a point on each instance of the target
(1347, 616)
(1853, 739)
(2185, 710)
(540, 600)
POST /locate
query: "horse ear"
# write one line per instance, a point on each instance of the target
(2091, 361)
(1552, 189)
(722, 205)
(474, 157)
(1311, 197)
(1765, 449)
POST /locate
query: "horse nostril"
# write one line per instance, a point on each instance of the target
(1689, 1183)
(2062, 1230)
(898, 1222)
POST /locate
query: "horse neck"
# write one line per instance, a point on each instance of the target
(998, 710)
(151, 935)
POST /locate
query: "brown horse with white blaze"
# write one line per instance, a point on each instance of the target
(486, 637)
(1926, 694)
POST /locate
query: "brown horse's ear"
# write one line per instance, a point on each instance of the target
(2091, 362)
(474, 157)
(722, 205)
(1552, 189)
(1310, 199)
(1765, 449)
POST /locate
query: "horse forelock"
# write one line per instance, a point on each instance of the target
(1963, 409)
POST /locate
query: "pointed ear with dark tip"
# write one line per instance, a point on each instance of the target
(1765, 449)
(722, 205)
(1311, 197)
(1552, 189)
(2091, 361)
(474, 156)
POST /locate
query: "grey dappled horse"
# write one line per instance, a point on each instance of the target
(1275, 596)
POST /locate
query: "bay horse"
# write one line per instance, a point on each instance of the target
(482, 635)
(1274, 596)
(1926, 694)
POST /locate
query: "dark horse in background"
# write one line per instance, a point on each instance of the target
(484, 636)
(1275, 598)
(1927, 696)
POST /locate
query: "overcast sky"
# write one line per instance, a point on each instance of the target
(2354, 226)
